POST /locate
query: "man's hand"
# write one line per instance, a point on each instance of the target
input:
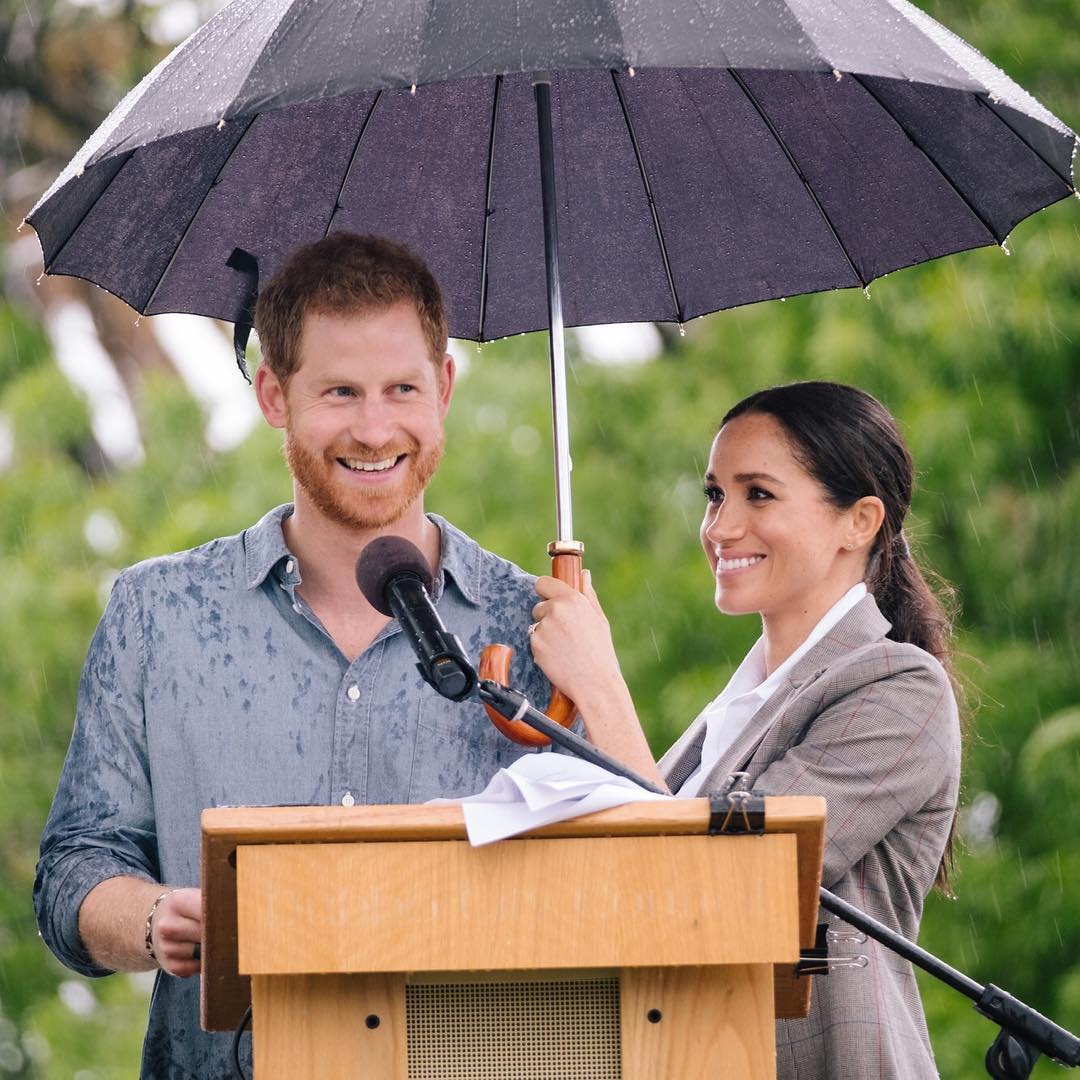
(177, 932)
(112, 925)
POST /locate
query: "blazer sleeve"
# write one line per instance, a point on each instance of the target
(880, 752)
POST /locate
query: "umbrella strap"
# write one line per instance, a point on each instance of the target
(245, 264)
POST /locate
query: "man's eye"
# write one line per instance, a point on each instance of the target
(406, 388)
(341, 391)
(713, 494)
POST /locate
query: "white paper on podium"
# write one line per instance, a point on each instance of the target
(539, 789)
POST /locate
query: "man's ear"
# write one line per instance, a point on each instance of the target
(270, 395)
(865, 518)
(446, 376)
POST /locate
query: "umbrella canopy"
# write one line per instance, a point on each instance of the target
(705, 154)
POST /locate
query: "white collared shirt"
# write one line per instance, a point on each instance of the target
(727, 716)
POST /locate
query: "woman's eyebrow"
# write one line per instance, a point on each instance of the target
(747, 478)
(750, 477)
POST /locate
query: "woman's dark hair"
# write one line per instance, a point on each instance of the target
(849, 442)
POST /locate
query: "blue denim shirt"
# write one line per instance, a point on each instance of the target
(210, 682)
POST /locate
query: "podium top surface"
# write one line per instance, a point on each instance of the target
(802, 815)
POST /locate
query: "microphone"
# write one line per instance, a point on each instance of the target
(394, 578)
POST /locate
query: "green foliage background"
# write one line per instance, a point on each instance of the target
(977, 356)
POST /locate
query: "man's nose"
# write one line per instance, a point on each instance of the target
(372, 422)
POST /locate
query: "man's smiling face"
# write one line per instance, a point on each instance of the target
(363, 414)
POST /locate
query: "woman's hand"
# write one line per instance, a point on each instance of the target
(571, 642)
(571, 638)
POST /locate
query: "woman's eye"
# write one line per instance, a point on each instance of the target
(757, 494)
(713, 494)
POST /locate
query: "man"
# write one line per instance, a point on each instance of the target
(251, 670)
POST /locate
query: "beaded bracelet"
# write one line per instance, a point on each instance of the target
(149, 939)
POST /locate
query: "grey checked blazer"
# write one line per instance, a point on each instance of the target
(872, 725)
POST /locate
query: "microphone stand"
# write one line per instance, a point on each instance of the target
(514, 705)
(1024, 1033)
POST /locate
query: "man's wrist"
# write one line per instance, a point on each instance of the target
(148, 939)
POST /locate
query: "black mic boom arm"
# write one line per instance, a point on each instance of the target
(514, 705)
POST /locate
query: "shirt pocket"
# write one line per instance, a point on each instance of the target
(458, 749)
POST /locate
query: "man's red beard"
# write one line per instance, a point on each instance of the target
(355, 509)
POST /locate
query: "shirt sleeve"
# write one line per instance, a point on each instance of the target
(879, 754)
(101, 824)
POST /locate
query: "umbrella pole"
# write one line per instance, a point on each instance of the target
(566, 552)
(564, 517)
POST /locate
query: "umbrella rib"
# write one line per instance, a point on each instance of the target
(798, 172)
(488, 211)
(944, 175)
(352, 159)
(1066, 180)
(86, 212)
(191, 220)
(649, 196)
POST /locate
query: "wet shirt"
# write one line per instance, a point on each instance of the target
(210, 682)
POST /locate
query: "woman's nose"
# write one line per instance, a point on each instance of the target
(722, 523)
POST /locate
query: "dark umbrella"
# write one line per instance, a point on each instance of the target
(694, 156)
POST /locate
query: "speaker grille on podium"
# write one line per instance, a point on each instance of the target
(491, 1029)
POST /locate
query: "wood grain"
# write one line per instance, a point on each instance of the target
(313, 1027)
(588, 902)
(698, 1023)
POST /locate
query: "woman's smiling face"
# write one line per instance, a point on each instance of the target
(775, 544)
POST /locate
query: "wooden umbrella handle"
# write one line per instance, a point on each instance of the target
(495, 659)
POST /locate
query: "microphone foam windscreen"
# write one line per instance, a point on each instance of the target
(384, 559)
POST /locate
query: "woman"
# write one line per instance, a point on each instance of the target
(847, 694)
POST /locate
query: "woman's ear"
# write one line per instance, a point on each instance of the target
(864, 522)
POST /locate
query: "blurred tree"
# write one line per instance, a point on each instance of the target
(976, 355)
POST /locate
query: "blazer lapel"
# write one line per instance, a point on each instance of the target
(683, 756)
(862, 625)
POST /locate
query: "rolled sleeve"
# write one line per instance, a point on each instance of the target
(102, 822)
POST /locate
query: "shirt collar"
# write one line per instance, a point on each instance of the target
(750, 676)
(265, 547)
(460, 558)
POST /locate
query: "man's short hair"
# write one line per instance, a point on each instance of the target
(344, 274)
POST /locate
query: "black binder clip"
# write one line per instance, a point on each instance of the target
(736, 811)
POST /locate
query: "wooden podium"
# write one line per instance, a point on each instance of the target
(375, 942)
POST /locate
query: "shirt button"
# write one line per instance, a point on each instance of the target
(289, 566)
(353, 692)
(347, 799)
